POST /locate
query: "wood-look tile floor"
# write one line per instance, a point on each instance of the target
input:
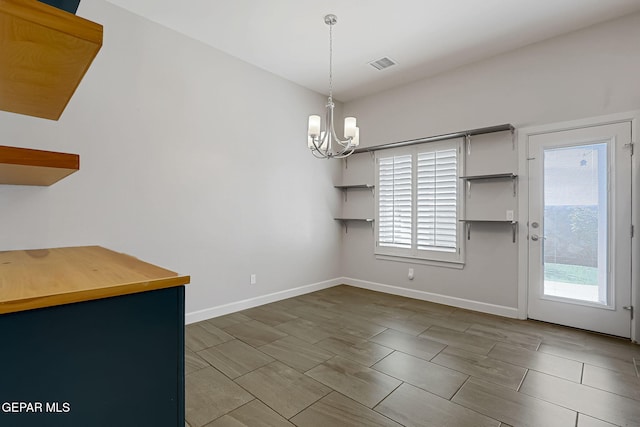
(346, 356)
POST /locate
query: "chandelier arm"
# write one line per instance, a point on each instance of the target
(345, 142)
(318, 155)
(345, 153)
(317, 146)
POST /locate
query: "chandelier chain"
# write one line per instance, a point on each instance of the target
(331, 62)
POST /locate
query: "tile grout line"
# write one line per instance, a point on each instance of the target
(522, 380)
(255, 398)
(436, 355)
(241, 406)
(539, 344)
(388, 394)
(331, 390)
(471, 409)
(460, 388)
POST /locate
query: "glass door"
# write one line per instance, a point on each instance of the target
(580, 228)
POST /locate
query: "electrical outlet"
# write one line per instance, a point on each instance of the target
(253, 279)
(410, 275)
(509, 215)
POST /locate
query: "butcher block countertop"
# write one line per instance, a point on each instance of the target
(31, 279)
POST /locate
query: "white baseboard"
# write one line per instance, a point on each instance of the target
(232, 307)
(499, 310)
(221, 310)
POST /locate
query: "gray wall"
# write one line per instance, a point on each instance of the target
(583, 74)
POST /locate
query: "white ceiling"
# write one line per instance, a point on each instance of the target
(425, 37)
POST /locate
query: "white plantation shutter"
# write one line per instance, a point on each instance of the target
(437, 190)
(418, 202)
(394, 201)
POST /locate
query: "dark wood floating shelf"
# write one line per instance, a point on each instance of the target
(345, 221)
(24, 166)
(45, 53)
(492, 176)
(346, 187)
(488, 220)
(513, 223)
(461, 134)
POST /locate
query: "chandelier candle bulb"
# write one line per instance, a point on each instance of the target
(314, 125)
(350, 127)
(356, 139)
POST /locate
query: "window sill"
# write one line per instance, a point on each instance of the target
(458, 265)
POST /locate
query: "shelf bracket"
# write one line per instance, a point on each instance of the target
(345, 221)
(514, 229)
(468, 138)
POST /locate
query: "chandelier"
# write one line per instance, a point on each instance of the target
(323, 142)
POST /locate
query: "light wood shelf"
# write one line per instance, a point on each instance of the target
(49, 277)
(24, 166)
(45, 53)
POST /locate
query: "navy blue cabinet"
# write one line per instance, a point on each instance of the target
(116, 361)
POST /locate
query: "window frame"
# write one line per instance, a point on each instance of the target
(454, 259)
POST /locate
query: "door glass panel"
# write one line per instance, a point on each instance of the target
(575, 223)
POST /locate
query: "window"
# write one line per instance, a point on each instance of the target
(418, 202)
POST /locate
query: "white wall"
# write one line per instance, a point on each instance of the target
(587, 73)
(190, 159)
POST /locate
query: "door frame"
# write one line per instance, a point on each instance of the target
(523, 135)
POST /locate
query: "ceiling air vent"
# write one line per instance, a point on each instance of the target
(382, 63)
